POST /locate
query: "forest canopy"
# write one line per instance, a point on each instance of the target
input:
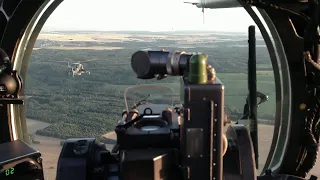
(90, 105)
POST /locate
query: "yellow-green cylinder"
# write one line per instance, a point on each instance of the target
(198, 69)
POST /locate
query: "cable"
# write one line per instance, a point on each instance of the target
(264, 4)
(311, 138)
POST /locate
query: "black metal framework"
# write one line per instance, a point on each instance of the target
(15, 16)
(302, 145)
(293, 89)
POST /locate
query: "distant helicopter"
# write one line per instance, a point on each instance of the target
(77, 70)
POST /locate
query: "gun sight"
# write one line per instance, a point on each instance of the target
(148, 64)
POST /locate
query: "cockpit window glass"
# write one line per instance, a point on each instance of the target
(80, 67)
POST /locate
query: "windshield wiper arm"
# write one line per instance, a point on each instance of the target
(139, 103)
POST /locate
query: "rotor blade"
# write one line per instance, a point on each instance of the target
(121, 64)
(53, 61)
(68, 59)
(193, 3)
(88, 60)
(27, 97)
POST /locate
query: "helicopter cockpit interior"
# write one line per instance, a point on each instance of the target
(173, 129)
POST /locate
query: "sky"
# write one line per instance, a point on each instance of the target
(144, 15)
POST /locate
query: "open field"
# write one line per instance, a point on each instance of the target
(112, 37)
(81, 48)
(34, 125)
(50, 148)
(84, 37)
(171, 40)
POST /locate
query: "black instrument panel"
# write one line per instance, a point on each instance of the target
(20, 161)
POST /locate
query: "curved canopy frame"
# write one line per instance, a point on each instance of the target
(283, 84)
(285, 47)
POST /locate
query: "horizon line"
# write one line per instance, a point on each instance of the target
(168, 31)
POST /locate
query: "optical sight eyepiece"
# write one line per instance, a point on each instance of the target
(147, 64)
